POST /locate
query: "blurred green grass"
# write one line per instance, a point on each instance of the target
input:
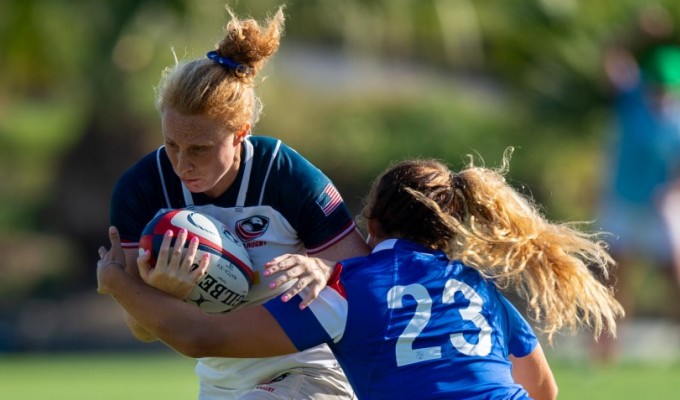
(169, 376)
(97, 376)
(626, 381)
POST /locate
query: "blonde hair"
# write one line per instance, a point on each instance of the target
(204, 87)
(477, 217)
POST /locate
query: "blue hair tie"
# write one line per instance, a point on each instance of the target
(239, 69)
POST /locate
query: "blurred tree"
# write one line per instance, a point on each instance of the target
(549, 51)
(110, 136)
(59, 65)
(76, 82)
(543, 56)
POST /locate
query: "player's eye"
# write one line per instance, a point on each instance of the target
(199, 149)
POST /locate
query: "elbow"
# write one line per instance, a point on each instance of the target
(194, 343)
(138, 332)
(143, 337)
(188, 344)
(193, 351)
(554, 392)
(548, 392)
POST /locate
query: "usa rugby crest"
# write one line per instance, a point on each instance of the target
(252, 227)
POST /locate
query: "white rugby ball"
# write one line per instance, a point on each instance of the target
(229, 275)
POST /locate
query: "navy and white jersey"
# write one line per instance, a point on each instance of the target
(406, 322)
(279, 203)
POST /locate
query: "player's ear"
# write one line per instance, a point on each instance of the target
(241, 135)
(374, 233)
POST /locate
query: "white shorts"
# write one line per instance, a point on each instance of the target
(295, 384)
(670, 211)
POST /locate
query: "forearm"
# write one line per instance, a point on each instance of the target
(534, 374)
(135, 327)
(183, 326)
(151, 313)
(138, 330)
(251, 332)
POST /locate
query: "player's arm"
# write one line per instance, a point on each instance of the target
(534, 374)
(313, 272)
(135, 327)
(252, 332)
(129, 211)
(323, 223)
(530, 368)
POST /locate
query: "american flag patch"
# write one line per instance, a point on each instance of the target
(329, 200)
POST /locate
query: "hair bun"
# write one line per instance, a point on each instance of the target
(241, 70)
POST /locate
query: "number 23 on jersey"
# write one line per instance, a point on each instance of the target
(404, 351)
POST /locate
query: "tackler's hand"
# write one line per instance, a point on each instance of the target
(310, 272)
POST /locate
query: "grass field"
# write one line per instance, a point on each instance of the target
(169, 376)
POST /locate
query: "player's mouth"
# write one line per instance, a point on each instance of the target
(191, 181)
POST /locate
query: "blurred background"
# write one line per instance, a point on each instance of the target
(356, 84)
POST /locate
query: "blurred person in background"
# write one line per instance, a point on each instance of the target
(643, 159)
(670, 211)
(282, 204)
(422, 317)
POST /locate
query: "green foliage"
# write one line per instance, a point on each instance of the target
(444, 79)
(33, 137)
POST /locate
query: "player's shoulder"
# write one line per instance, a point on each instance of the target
(276, 160)
(265, 144)
(270, 151)
(271, 146)
(146, 178)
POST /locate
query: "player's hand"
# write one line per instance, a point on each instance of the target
(176, 271)
(311, 273)
(112, 258)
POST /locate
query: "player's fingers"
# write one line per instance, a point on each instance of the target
(189, 263)
(143, 264)
(311, 296)
(163, 252)
(279, 263)
(114, 236)
(313, 291)
(201, 267)
(278, 259)
(300, 284)
(287, 276)
(178, 249)
(102, 251)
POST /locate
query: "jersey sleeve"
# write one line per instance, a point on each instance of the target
(323, 321)
(311, 202)
(521, 339)
(135, 201)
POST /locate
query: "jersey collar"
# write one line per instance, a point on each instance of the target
(386, 244)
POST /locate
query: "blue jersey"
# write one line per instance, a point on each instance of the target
(406, 322)
(645, 156)
(279, 203)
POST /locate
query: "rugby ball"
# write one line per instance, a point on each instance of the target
(229, 275)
